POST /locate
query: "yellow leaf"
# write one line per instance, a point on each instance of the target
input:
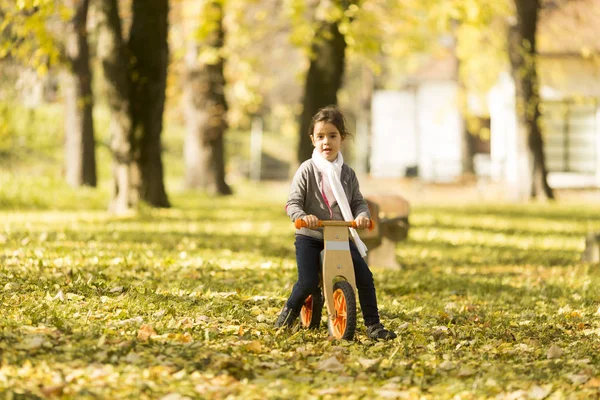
(593, 383)
(254, 347)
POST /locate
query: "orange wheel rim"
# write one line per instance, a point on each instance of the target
(307, 311)
(341, 319)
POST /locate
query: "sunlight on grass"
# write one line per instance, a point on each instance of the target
(491, 302)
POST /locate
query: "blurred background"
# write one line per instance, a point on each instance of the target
(108, 103)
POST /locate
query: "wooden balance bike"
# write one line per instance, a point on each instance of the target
(338, 285)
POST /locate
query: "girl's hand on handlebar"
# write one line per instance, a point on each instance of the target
(311, 221)
(362, 222)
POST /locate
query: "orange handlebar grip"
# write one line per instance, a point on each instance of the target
(370, 227)
(300, 223)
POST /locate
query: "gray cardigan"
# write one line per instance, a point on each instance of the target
(306, 197)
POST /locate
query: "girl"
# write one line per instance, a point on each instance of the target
(325, 188)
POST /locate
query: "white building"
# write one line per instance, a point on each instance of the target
(419, 129)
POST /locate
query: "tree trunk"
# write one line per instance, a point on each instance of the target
(363, 121)
(150, 56)
(114, 56)
(467, 142)
(468, 139)
(80, 155)
(323, 80)
(205, 109)
(522, 52)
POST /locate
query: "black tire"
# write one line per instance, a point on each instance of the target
(310, 314)
(338, 329)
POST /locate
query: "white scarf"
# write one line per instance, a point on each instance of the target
(332, 185)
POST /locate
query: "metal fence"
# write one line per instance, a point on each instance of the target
(570, 131)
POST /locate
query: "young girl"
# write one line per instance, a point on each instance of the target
(324, 188)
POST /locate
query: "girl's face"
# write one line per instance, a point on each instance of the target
(327, 140)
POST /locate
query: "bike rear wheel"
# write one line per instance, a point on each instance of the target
(310, 314)
(344, 301)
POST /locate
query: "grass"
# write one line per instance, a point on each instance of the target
(492, 302)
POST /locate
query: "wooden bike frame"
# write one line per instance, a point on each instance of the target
(337, 262)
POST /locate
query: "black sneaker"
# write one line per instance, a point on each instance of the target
(286, 318)
(377, 331)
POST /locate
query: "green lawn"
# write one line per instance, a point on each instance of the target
(492, 302)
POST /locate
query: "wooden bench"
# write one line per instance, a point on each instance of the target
(592, 248)
(390, 213)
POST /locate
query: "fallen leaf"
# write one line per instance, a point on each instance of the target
(331, 365)
(403, 326)
(259, 298)
(175, 396)
(440, 332)
(593, 383)
(173, 337)
(539, 392)
(38, 329)
(516, 395)
(465, 372)
(367, 363)
(223, 294)
(254, 347)
(327, 391)
(446, 365)
(578, 379)
(132, 358)
(54, 390)
(73, 296)
(179, 374)
(185, 323)
(388, 392)
(134, 320)
(32, 343)
(59, 296)
(554, 352)
(145, 332)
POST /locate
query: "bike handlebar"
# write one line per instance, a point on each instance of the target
(300, 223)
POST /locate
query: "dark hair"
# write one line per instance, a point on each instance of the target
(332, 115)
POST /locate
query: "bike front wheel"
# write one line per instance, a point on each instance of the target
(344, 301)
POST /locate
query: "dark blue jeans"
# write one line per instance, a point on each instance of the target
(307, 257)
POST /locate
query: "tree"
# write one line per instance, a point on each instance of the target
(80, 155)
(114, 56)
(28, 37)
(324, 76)
(24, 34)
(479, 50)
(205, 105)
(132, 76)
(522, 54)
(150, 57)
(468, 31)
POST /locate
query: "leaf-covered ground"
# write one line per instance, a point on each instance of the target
(492, 302)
